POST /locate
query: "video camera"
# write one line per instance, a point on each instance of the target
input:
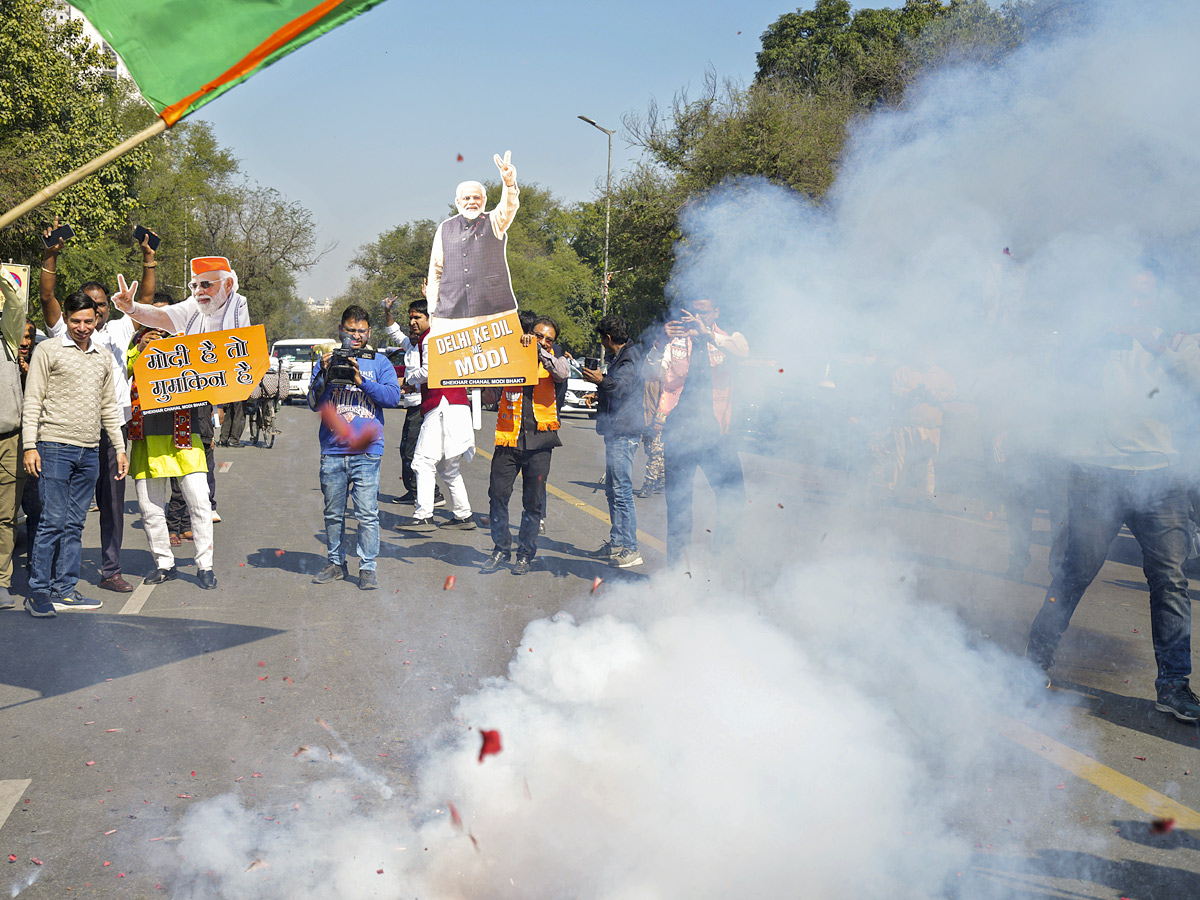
(341, 370)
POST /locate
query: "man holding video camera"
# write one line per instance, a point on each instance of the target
(351, 386)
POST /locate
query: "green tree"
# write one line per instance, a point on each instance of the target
(58, 110)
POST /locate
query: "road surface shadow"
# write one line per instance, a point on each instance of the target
(78, 649)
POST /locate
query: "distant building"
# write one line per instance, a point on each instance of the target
(65, 12)
(319, 306)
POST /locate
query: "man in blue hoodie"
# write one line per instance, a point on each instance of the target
(351, 395)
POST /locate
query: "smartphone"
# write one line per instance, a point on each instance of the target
(64, 231)
(139, 235)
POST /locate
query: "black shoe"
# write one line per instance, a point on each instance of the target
(424, 525)
(233, 443)
(1039, 671)
(40, 607)
(1179, 701)
(409, 497)
(366, 580)
(645, 490)
(158, 576)
(498, 559)
(330, 573)
(466, 523)
(438, 500)
(207, 579)
(521, 566)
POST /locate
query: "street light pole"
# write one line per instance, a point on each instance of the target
(607, 213)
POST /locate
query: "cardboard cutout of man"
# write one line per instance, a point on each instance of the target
(468, 266)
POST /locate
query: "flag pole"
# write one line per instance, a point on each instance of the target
(159, 126)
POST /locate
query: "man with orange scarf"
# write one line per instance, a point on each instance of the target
(526, 433)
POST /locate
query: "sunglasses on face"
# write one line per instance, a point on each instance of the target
(203, 285)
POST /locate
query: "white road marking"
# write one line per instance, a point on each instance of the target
(10, 793)
(224, 466)
(137, 600)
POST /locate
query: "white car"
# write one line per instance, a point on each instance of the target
(299, 354)
(581, 393)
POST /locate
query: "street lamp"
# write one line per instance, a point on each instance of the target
(607, 213)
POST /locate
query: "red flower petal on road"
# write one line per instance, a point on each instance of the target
(491, 744)
(184, 796)
(1161, 826)
(263, 663)
(263, 677)
(107, 863)
(12, 857)
(90, 762)
(449, 585)
(1142, 758)
(596, 582)
(279, 553)
(35, 860)
(455, 817)
(460, 157)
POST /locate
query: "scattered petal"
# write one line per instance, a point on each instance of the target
(279, 553)
(1161, 826)
(1142, 758)
(90, 762)
(262, 663)
(460, 157)
(491, 744)
(263, 677)
(12, 857)
(35, 860)
(107, 833)
(455, 817)
(449, 585)
(596, 582)
(257, 864)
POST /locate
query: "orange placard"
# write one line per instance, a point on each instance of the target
(487, 353)
(214, 367)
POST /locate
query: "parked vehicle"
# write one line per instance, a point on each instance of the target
(300, 354)
(581, 393)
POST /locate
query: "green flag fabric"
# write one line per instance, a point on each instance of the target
(184, 53)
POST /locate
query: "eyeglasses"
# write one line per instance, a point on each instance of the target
(203, 285)
(356, 330)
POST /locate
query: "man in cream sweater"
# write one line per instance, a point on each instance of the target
(69, 381)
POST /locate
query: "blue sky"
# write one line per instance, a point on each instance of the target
(364, 125)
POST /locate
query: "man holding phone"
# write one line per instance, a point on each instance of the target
(111, 336)
(695, 367)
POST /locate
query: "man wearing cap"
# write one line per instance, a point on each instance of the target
(113, 336)
(215, 304)
(468, 267)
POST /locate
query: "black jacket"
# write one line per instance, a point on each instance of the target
(619, 411)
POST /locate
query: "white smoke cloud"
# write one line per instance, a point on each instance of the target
(695, 738)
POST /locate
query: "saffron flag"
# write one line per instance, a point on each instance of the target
(184, 53)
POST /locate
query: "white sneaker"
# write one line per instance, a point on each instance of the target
(216, 516)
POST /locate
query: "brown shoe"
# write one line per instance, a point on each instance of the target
(116, 583)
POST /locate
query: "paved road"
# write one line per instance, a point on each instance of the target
(114, 724)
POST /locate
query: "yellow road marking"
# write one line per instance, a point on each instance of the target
(1109, 780)
(648, 539)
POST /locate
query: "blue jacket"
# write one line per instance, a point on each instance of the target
(379, 390)
(620, 410)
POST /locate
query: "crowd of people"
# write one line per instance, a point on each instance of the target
(72, 429)
(689, 416)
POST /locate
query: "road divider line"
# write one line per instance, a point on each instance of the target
(648, 539)
(136, 600)
(10, 793)
(1108, 780)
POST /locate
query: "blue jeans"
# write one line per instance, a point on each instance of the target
(1155, 506)
(66, 487)
(723, 468)
(342, 475)
(618, 488)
